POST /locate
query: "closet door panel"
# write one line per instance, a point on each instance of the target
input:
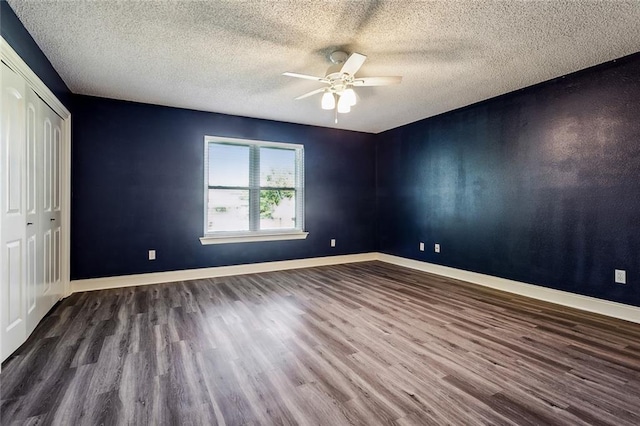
(30, 193)
(56, 217)
(47, 162)
(12, 212)
(55, 167)
(34, 275)
(14, 273)
(47, 263)
(31, 285)
(51, 213)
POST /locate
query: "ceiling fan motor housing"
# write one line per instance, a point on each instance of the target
(339, 81)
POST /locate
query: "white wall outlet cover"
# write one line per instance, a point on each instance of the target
(436, 248)
(333, 242)
(152, 255)
(421, 246)
(620, 276)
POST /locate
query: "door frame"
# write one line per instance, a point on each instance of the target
(20, 67)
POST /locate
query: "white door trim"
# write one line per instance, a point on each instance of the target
(20, 67)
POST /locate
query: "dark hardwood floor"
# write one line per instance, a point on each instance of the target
(364, 344)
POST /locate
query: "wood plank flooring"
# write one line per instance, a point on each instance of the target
(361, 344)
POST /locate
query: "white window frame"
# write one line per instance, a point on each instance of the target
(225, 237)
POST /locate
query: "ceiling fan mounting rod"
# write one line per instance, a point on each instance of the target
(338, 57)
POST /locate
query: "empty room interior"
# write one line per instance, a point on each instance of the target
(320, 212)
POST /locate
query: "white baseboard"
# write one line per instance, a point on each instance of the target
(564, 298)
(559, 297)
(218, 271)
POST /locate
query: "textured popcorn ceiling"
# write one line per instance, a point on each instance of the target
(228, 56)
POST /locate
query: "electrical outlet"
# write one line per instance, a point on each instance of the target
(152, 255)
(333, 242)
(436, 248)
(421, 246)
(621, 276)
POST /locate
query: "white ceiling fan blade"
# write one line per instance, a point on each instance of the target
(305, 76)
(353, 64)
(377, 81)
(311, 93)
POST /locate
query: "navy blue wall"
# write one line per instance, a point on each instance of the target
(21, 41)
(137, 184)
(540, 185)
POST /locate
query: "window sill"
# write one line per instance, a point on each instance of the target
(249, 238)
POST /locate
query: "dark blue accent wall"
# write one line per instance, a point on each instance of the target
(21, 41)
(138, 177)
(540, 185)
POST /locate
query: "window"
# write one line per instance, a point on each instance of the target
(254, 191)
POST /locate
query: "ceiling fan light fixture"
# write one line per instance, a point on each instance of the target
(350, 96)
(328, 100)
(343, 105)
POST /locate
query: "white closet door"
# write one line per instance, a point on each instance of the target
(30, 204)
(12, 211)
(50, 214)
(33, 255)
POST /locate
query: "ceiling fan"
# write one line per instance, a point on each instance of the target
(341, 80)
